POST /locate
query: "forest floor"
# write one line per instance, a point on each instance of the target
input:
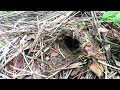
(58, 45)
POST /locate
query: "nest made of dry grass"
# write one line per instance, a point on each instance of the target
(31, 36)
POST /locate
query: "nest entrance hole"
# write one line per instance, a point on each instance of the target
(71, 43)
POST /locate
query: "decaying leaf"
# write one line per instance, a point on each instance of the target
(104, 30)
(75, 72)
(30, 36)
(48, 28)
(116, 34)
(94, 68)
(17, 62)
(47, 58)
(53, 53)
(108, 33)
(90, 49)
(99, 56)
(35, 68)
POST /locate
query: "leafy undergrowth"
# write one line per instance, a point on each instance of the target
(59, 45)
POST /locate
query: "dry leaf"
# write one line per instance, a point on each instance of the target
(104, 30)
(35, 68)
(17, 62)
(9, 66)
(100, 12)
(53, 53)
(90, 50)
(95, 22)
(99, 57)
(3, 35)
(94, 68)
(47, 58)
(116, 34)
(75, 72)
(30, 37)
(110, 34)
(48, 28)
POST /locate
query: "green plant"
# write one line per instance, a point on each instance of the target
(88, 57)
(1, 43)
(5, 12)
(79, 24)
(113, 16)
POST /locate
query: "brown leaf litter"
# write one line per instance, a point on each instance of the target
(49, 45)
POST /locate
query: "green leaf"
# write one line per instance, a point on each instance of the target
(109, 14)
(80, 24)
(1, 42)
(112, 18)
(88, 57)
(5, 12)
(117, 18)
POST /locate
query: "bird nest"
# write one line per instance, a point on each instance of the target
(48, 45)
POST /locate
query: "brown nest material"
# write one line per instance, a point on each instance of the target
(49, 45)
